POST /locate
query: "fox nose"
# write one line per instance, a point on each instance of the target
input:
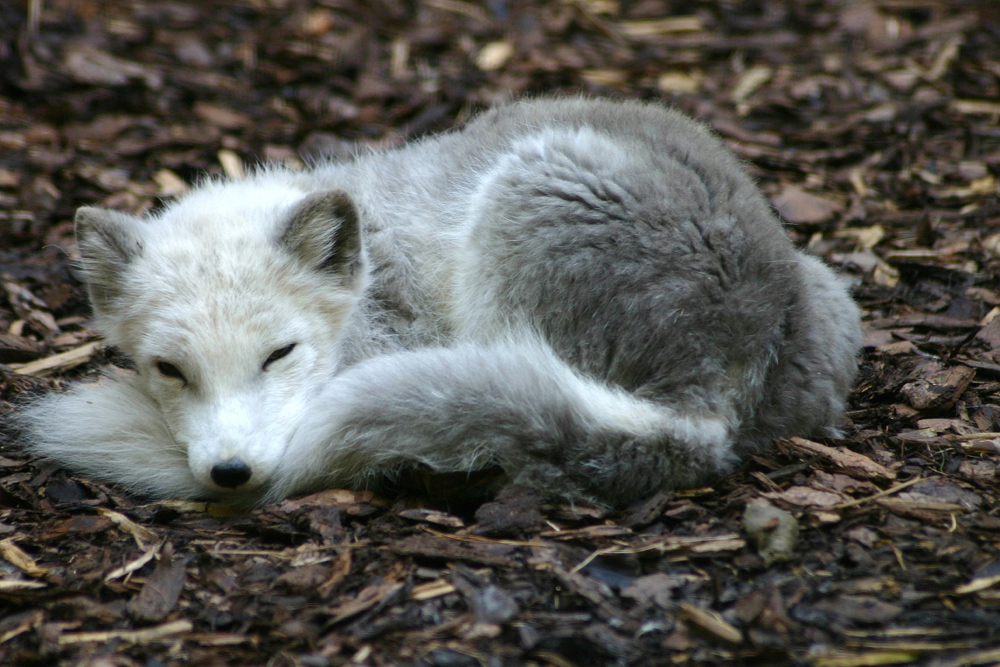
(231, 473)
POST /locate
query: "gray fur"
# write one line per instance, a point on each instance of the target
(593, 295)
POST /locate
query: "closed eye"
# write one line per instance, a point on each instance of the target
(167, 369)
(280, 353)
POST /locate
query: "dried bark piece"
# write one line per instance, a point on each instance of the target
(987, 577)
(942, 490)
(594, 591)
(135, 564)
(927, 511)
(160, 593)
(15, 349)
(710, 622)
(515, 510)
(806, 496)
(857, 608)
(587, 532)
(84, 524)
(144, 636)
(494, 55)
(984, 471)
(352, 503)
(60, 362)
(17, 585)
(851, 461)
(341, 568)
(221, 116)
(800, 207)
(143, 536)
(88, 64)
(432, 516)
(989, 337)
(752, 79)
(305, 579)
(661, 26)
(472, 550)
(489, 603)
(17, 557)
(646, 511)
(937, 387)
(657, 588)
(370, 596)
(928, 320)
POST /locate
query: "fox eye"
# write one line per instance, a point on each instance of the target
(280, 353)
(167, 369)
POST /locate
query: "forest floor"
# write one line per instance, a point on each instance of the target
(873, 128)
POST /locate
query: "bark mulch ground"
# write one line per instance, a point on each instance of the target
(871, 125)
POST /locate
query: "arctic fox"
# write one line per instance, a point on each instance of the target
(592, 295)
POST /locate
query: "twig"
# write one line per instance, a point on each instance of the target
(876, 496)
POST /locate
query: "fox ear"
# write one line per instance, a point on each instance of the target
(108, 242)
(325, 232)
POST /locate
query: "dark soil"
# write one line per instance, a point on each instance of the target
(871, 125)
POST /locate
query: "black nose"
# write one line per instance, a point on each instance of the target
(231, 473)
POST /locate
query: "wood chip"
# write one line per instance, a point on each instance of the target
(15, 349)
(162, 590)
(432, 589)
(368, 597)
(14, 585)
(16, 556)
(978, 584)
(750, 81)
(432, 516)
(27, 622)
(710, 622)
(458, 7)
(494, 55)
(937, 387)
(805, 496)
(657, 27)
(143, 536)
(144, 636)
(58, 363)
(800, 207)
(679, 82)
(841, 457)
(170, 183)
(432, 546)
(135, 564)
(867, 659)
(231, 164)
(976, 107)
(223, 117)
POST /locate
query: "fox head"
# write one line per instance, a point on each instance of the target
(233, 305)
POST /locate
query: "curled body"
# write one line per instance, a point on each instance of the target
(592, 295)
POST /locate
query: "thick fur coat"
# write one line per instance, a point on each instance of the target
(592, 295)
